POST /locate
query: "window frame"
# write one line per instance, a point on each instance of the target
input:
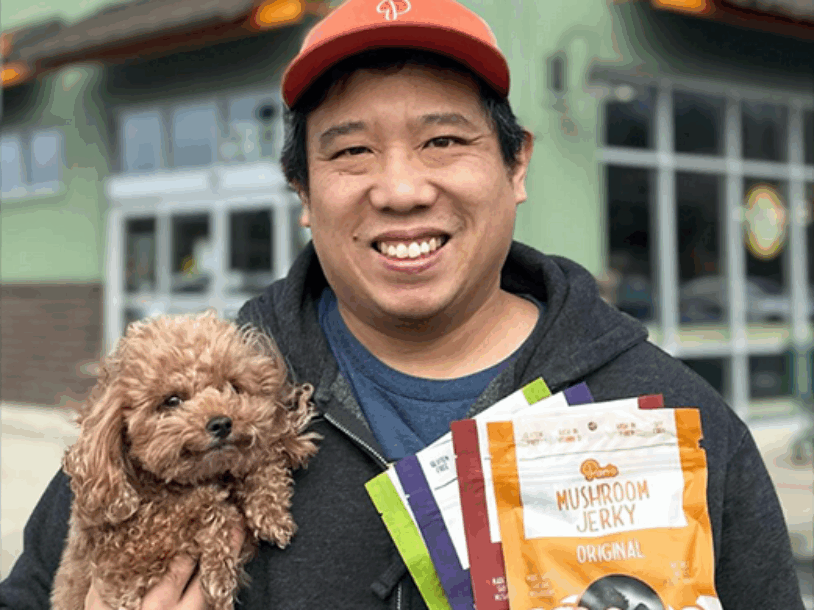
(740, 341)
(28, 188)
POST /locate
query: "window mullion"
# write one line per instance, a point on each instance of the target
(220, 245)
(736, 257)
(163, 258)
(667, 243)
(797, 251)
(116, 260)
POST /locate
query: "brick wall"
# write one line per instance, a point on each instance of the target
(50, 339)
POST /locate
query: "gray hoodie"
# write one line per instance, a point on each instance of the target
(342, 556)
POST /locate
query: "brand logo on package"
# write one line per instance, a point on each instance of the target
(591, 470)
(391, 9)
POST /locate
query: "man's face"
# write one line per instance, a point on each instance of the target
(410, 205)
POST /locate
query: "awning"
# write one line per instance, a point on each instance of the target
(785, 17)
(144, 28)
(802, 10)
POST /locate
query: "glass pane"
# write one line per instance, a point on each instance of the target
(242, 141)
(140, 265)
(142, 142)
(714, 370)
(45, 158)
(300, 236)
(809, 199)
(630, 282)
(11, 165)
(629, 123)
(193, 257)
(702, 289)
(770, 376)
(194, 136)
(698, 123)
(764, 131)
(766, 237)
(251, 246)
(808, 137)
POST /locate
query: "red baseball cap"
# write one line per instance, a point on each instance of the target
(442, 26)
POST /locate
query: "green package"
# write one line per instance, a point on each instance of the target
(408, 540)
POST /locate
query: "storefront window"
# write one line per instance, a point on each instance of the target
(194, 136)
(45, 158)
(193, 257)
(140, 264)
(764, 131)
(251, 247)
(11, 165)
(632, 282)
(629, 122)
(698, 123)
(143, 142)
(714, 370)
(770, 376)
(765, 239)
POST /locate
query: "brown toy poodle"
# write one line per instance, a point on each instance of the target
(192, 429)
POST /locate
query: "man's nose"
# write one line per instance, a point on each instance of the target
(403, 184)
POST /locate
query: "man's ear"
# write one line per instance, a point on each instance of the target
(305, 212)
(518, 174)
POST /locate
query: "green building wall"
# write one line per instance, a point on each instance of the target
(58, 238)
(563, 214)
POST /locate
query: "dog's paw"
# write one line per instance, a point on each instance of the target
(279, 529)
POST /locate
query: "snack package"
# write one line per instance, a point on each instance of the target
(389, 498)
(604, 509)
(650, 401)
(487, 574)
(429, 479)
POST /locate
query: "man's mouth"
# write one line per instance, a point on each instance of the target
(410, 249)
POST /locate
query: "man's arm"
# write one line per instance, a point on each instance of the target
(756, 567)
(28, 586)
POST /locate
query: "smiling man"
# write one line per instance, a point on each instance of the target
(413, 307)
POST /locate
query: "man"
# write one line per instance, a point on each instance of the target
(414, 308)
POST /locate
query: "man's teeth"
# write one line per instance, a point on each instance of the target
(410, 250)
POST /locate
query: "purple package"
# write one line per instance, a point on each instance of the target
(454, 577)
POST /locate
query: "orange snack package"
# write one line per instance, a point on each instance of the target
(604, 510)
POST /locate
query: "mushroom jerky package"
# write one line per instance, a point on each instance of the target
(604, 509)
(478, 505)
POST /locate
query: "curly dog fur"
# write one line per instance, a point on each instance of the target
(192, 429)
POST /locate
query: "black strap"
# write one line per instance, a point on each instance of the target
(383, 586)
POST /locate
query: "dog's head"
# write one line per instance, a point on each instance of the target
(184, 400)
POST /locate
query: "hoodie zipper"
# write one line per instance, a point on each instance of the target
(383, 463)
(379, 458)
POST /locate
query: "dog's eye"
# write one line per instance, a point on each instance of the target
(172, 401)
(237, 389)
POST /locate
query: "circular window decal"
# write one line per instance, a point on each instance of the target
(766, 220)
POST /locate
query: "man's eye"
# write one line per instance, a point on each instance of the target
(172, 401)
(445, 141)
(353, 151)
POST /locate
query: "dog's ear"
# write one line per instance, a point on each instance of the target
(95, 462)
(297, 447)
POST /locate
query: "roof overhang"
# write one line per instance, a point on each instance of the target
(144, 29)
(785, 17)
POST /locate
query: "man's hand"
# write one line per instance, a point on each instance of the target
(180, 589)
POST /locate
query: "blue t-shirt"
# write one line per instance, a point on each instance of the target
(405, 413)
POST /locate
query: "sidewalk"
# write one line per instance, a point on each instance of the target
(33, 440)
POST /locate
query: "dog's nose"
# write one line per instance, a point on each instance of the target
(219, 427)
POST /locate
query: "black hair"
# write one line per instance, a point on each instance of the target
(294, 158)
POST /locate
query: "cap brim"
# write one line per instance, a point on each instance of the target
(480, 57)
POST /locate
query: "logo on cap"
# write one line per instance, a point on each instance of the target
(391, 9)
